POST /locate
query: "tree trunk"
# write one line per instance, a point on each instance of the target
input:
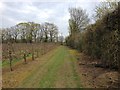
(10, 58)
(25, 58)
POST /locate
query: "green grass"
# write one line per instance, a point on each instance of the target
(14, 61)
(75, 74)
(50, 77)
(56, 68)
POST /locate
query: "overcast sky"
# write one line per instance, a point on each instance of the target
(54, 11)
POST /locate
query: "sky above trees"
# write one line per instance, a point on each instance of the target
(54, 11)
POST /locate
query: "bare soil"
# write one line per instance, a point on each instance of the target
(96, 77)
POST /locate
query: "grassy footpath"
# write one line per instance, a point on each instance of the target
(57, 71)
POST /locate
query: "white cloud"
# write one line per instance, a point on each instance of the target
(39, 12)
(2, 6)
(44, 14)
(53, 0)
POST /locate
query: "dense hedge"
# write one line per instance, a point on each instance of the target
(101, 40)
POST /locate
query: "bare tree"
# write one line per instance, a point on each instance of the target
(104, 8)
(23, 27)
(77, 23)
(30, 31)
(3, 35)
(46, 31)
(61, 39)
(35, 31)
(79, 17)
(15, 32)
(41, 33)
(53, 30)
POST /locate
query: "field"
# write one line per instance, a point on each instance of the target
(51, 70)
(19, 48)
(60, 68)
(60, 44)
